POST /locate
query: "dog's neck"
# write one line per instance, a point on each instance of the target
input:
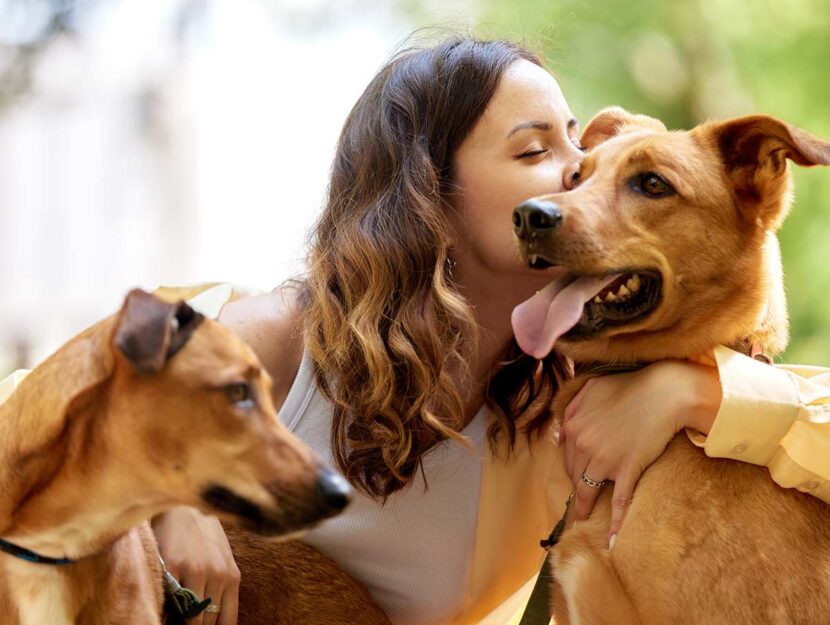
(76, 497)
(84, 499)
(752, 345)
(82, 506)
(72, 529)
(745, 346)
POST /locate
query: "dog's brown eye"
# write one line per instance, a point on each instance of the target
(240, 394)
(652, 185)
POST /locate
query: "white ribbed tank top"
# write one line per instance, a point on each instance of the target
(414, 553)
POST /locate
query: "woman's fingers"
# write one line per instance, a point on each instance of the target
(586, 495)
(230, 605)
(214, 592)
(198, 555)
(575, 451)
(573, 405)
(222, 581)
(194, 579)
(623, 492)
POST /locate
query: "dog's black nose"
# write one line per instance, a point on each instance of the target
(333, 489)
(535, 217)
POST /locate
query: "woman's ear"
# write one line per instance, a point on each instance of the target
(614, 121)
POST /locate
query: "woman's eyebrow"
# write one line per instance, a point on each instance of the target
(572, 123)
(523, 125)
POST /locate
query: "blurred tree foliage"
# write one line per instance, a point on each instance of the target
(690, 60)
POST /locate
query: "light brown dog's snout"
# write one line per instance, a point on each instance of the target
(533, 218)
(333, 489)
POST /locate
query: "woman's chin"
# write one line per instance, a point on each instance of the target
(525, 280)
(542, 276)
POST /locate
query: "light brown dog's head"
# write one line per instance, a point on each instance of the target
(668, 240)
(159, 406)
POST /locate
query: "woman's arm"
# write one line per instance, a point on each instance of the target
(776, 416)
(741, 409)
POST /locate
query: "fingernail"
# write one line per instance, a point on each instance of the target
(612, 541)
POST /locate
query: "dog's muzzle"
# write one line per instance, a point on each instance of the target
(536, 218)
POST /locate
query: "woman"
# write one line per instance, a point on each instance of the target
(395, 358)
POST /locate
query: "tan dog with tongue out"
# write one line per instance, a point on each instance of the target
(669, 246)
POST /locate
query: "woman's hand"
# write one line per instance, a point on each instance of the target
(617, 425)
(196, 552)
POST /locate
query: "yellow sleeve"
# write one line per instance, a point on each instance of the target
(777, 416)
(208, 298)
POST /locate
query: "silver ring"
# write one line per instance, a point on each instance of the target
(590, 482)
(213, 608)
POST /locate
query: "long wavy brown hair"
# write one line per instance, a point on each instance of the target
(389, 335)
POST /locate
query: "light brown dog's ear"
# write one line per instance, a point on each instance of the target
(755, 150)
(614, 121)
(150, 330)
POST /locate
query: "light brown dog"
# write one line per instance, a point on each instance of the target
(153, 407)
(675, 231)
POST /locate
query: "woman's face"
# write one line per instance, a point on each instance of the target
(524, 145)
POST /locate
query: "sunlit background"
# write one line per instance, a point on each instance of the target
(177, 141)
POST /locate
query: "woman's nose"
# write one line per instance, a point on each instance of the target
(570, 175)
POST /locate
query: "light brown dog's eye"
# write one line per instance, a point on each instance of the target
(240, 394)
(652, 185)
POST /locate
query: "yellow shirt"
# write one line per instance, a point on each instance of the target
(778, 416)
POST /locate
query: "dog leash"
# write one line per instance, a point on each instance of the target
(540, 606)
(180, 604)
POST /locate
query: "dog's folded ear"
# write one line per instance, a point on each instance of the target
(150, 330)
(614, 121)
(755, 150)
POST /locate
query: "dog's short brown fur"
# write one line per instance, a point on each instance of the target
(291, 583)
(704, 540)
(151, 408)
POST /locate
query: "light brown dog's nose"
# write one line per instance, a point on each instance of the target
(534, 217)
(333, 489)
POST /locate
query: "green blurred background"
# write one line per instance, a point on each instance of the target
(140, 140)
(690, 60)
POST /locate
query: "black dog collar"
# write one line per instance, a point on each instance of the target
(30, 556)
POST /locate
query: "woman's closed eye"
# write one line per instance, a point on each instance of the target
(530, 153)
(536, 151)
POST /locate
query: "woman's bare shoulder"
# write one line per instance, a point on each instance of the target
(271, 324)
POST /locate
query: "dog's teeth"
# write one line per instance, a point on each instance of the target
(633, 282)
(533, 258)
(623, 292)
(610, 297)
(597, 300)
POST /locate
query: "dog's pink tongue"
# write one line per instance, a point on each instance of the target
(541, 320)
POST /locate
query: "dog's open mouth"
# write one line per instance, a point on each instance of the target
(629, 298)
(577, 307)
(536, 261)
